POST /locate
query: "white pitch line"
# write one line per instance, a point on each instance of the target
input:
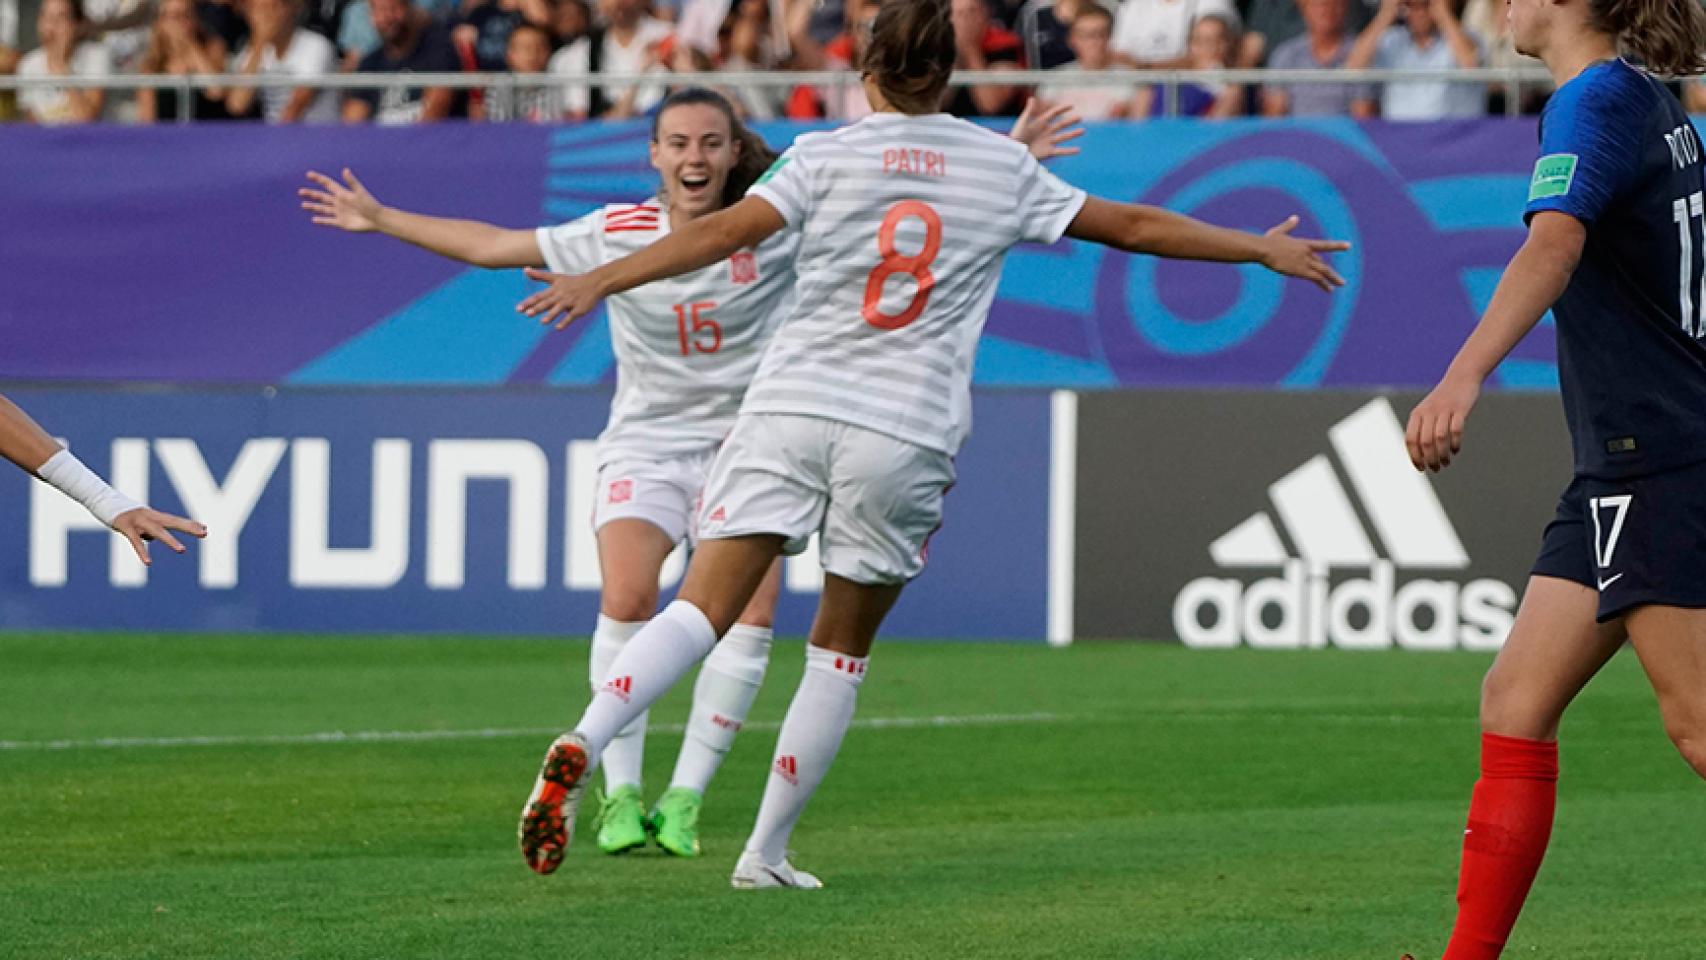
(489, 733)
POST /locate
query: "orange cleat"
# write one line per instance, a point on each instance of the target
(548, 820)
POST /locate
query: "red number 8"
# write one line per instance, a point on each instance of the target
(917, 266)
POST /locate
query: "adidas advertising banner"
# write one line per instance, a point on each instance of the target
(1295, 521)
(436, 511)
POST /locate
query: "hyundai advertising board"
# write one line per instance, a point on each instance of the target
(443, 510)
(1296, 521)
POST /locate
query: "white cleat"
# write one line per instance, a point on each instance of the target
(752, 873)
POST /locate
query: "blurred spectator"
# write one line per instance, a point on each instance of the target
(628, 43)
(746, 40)
(410, 42)
(356, 37)
(1091, 30)
(279, 48)
(824, 19)
(531, 98)
(1213, 39)
(180, 45)
(1157, 33)
(1006, 13)
(1269, 23)
(981, 45)
(123, 27)
(222, 19)
(486, 26)
(1430, 38)
(570, 21)
(844, 101)
(59, 27)
(1044, 27)
(1324, 45)
(324, 16)
(8, 55)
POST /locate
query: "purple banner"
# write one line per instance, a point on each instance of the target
(180, 255)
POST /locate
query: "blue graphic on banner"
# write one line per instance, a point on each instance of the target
(435, 511)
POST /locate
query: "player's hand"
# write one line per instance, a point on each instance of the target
(143, 524)
(347, 205)
(1045, 132)
(564, 301)
(1301, 256)
(1435, 432)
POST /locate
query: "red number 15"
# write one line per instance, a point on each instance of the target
(693, 323)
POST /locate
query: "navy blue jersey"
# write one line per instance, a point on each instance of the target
(1619, 154)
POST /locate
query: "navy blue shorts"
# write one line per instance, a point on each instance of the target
(1636, 541)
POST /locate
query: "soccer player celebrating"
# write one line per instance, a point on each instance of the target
(685, 351)
(861, 400)
(26, 444)
(1615, 250)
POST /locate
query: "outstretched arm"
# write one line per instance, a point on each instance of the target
(26, 444)
(1534, 280)
(349, 206)
(22, 440)
(701, 243)
(1143, 229)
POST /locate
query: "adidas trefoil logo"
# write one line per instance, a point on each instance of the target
(1303, 607)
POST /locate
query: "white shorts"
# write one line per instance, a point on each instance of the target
(664, 493)
(874, 499)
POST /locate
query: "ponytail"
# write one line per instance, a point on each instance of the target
(911, 53)
(1667, 36)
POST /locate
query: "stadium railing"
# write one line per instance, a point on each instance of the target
(1513, 81)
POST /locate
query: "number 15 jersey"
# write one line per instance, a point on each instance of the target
(685, 347)
(903, 223)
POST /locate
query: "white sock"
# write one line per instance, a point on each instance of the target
(649, 664)
(811, 735)
(626, 754)
(722, 696)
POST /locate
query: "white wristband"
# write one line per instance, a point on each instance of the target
(83, 485)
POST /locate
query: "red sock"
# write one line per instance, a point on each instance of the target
(1510, 820)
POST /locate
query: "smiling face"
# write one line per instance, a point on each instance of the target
(694, 151)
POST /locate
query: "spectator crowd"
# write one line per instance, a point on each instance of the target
(555, 50)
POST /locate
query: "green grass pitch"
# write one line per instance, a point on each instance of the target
(1159, 803)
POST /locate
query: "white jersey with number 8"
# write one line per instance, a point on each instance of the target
(687, 347)
(904, 222)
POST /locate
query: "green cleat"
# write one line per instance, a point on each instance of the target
(621, 821)
(675, 821)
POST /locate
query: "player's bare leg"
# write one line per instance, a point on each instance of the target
(722, 697)
(631, 552)
(1554, 649)
(1671, 642)
(721, 579)
(848, 616)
